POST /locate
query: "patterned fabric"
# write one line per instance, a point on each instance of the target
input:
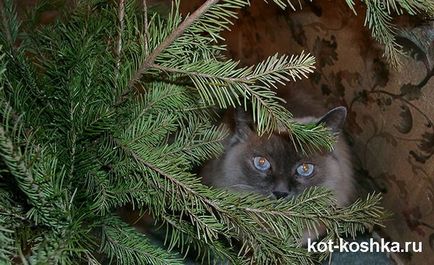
(391, 112)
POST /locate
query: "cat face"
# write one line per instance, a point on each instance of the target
(270, 165)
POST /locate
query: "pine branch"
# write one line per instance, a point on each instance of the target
(10, 219)
(45, 209)
(411, 7)
(379, 21)
(351, 5)
(222, 81)
(171, 38)
(255, 230)
(124, 245)
(53, 248)
(9, 26)
(181, 235)
(225, 83)
(199, 141)
(285, 3)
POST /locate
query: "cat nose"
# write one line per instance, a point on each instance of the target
(280, 194)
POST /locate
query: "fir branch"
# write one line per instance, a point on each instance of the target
(351, 5)
(36, 177)
(199, 141)
(231, 214)
(181, 185)
(231, 210)
(269, 217)
(275, 69)
(125, 245)
(217, 18)
(149, 130)
(358, 216)
(225, 83)
(20, 71)
(36, 193)
(181, 235)
(160, 97)
(379, 22)
(53, 248)
(410, 6)
(10, 219)
(222, 81)
(10, 26)
(7, 242)
(171, 38)
(285, 3)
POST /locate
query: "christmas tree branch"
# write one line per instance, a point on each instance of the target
(128, 246)
(37, 194)
(6, 212)
(231, 212)
(285, 3)
(169, 177)
(244, 79)
(5, 23)
(171, 38)
(232, 215)
(379, 21)
(177, 228)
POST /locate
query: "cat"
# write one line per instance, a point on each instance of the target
(271, 166)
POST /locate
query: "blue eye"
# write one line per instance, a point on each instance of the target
(261, 163)
(305, 170)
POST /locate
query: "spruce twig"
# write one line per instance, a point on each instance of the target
(171, 38)
(5, 23)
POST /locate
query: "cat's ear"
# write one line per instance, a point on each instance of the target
(243, 124)
(334, 119)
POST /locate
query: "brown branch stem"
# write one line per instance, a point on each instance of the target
(145, 25)
(121, 15)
